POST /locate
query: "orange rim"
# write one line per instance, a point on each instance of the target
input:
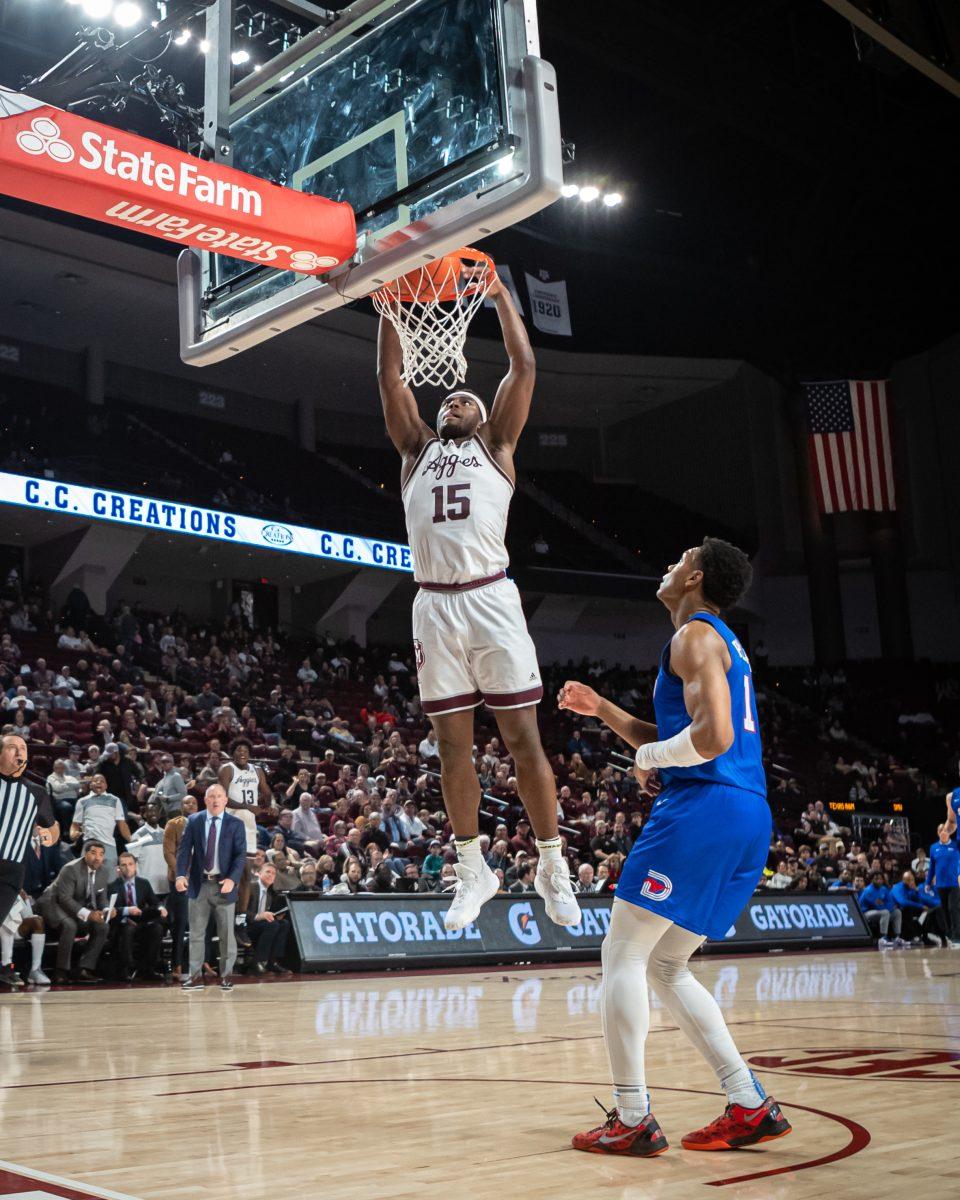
(438, 280)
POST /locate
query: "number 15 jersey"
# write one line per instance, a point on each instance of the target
(456, 500)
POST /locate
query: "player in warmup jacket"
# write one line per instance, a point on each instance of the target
(943, 876)
(469, 634)
(696, 862)
(953, 815)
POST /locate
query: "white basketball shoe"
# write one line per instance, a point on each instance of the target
(474, 888)
(552, 883)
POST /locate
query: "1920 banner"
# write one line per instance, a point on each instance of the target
(344, 932)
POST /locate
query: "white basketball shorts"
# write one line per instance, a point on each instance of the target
(472, 647)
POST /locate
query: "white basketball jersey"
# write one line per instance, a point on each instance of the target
(456, 500)
(244, 787)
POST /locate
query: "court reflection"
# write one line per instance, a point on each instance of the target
(372, 1012)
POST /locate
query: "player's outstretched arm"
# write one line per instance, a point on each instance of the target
(697, 656)
(951, 815)
(405, 427)
(579, 698)
(511, 406)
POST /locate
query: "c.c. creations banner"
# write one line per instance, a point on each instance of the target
(168, 516)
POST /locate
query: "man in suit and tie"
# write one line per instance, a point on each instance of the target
(267, 925)
(77, 903)
(137, 928)
(210, 861)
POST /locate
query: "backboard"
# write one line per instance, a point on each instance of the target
(436, 120)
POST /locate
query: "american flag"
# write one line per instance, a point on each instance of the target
(851, 449)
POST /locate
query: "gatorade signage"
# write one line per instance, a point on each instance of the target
(371, 930)
(67, 161)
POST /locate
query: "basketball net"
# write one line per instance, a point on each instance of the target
(431, 308)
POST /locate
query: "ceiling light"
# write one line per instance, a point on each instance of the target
(284, 78)
(97, 9)
(182, 37)
(612, 199)
(204, 46)
(569, 190)
(505, 165)
(589, 193)
(127, 13)
(239, 57)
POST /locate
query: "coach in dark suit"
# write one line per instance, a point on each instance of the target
(137, 927)
(74, 904)
(210, 861)
(266, 923)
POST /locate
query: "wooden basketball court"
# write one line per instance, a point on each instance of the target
(471, 1083)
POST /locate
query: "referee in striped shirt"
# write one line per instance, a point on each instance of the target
(23, 805)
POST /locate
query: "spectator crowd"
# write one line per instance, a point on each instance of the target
(129, 720)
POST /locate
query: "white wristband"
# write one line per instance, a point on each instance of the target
(677, 751)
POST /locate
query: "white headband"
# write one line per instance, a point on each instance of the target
(473, 396)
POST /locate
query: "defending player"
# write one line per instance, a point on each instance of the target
(696, 862)
(470, 636)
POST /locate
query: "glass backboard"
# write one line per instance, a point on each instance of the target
(434, 119)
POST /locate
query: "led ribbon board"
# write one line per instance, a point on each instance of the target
(167, 516)
(66, 161)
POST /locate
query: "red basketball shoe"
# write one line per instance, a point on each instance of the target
(740, 1127)
(645, 1140)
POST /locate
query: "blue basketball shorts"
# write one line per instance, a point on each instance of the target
(699, 856)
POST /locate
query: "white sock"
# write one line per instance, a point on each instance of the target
(551, 851)
(633, 1103)
(743, 1088)
(6, 947)
(37, 943)
(468, 852)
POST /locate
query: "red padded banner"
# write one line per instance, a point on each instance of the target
(69, 162)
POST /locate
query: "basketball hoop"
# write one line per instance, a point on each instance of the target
(431, 308)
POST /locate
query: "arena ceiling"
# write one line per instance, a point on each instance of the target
(783, 180)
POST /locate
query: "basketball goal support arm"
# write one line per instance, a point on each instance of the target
(405, 427)
(511, 405)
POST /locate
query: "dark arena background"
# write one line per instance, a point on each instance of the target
(729, 235)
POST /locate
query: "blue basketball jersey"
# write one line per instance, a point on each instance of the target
(955, 805)
(742, 765)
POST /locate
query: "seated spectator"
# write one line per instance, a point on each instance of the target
(586, 878)
(64, 791)
(525, 873)
(308, 877)
(921, 864)
(523, 841)
(76, 903)
(433, 863)
(42, 730)
(305, 827)
(881, 912)
(286, 876)
(382, 879)
(136, 931)
(267, 923)
(350, 880)
(602, 844)
(922, 914)
(782, 878)
(429, 748)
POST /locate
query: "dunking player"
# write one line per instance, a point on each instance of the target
(696, 862)
(470, 637)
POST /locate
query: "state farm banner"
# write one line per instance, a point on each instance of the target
(548, 305)
(65, 161)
